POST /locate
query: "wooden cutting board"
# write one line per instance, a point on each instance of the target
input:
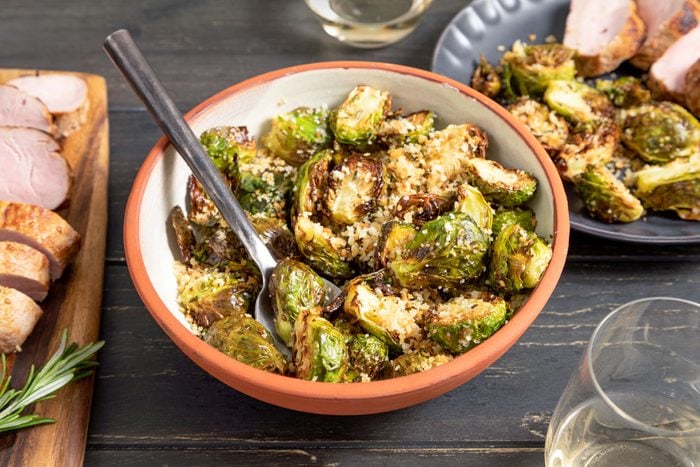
(74, 300)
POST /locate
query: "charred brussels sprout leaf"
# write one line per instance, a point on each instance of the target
(550, 129)
(470, 201)
(425, 357)
(588, 144)
(297, 135)
(660, 132)
(392, 240)
(465, 321)
(533, 67)
(276, 236)
(320, 352)
(606, 197)
(312, 182)
(412, 128)
(358, 120)
(578, 102)
(420, 208)
(227, 146)
(354, 186)
(672, 187)
(294, 287)
(368, 356)
(508, 187)
(518, 259)
(246, 340)
(184, 236)
(486, 79)
(524, 217)
(445, 253)
(624, 92)
(323, 250)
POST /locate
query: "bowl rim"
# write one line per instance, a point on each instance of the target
(268, 386)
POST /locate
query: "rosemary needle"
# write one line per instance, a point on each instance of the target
(68, 363)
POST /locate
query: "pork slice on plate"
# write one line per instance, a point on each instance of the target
(20, 109)
(667, 21)
(604, 33)
(25, 269)
(692, 88)
(18, 315)
(41, 229)
(667, 74)
(66, 97)
(33, 169)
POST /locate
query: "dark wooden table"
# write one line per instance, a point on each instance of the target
(152, 405)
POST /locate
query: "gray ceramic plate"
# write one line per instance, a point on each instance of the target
(490, 27)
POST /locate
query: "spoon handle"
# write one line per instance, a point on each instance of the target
(127, 57)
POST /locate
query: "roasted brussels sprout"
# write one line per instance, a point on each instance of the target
(518, 259)
(312, 182)
(297, 135)
(660, 131)
(354, 186)
(522, 216)
(530, 68)
(426, 356)
(184, 236)
(486, 79)
(507, 187)
(588, 144)
(394, 237)
(674, 186)
(578, 102)
(202, 210)
(412, 128)
(624, 92)
(294, 287)
(368, 357)
(276, 236)
(259, 196)
(323, 250)
(550, 129)
(466, 320)
(358, 120)
(607, 198)
(320, 352)
(420, 208)
(228, 146)
(246, 340)
(470, 201)
(445, 253)
(218, 246)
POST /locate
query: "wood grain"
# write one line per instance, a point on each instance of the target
(74, 300)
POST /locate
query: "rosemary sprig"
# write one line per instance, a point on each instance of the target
(68, 363)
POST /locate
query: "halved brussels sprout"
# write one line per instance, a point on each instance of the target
(470, 201)
(323, 250)
(228, 146)
(624, 92)
(523, 216)
(607, 198)
(578, 102)
(368, 356)
(466, 320)
(550, 129)
(420, 208)
(412, 128)
(202, 210)
(311, 183)
(394, 237)
(246, 340)
(276, 236)
(674, 186)
(354, 186)
(219, 246)
(427, 355)
(507, 187)
(320, 352)
(486, 80)
(358, 119)
(184, 236)
(259, 196)
(532, 67)
(660, 131)
(297, 135)
(518, 259)
(588, 144)
(445, 253)
(294, 287)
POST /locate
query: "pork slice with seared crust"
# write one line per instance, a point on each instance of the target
(604, 33)
(667, 76)
(41, 229)
(18, 315)
(25, 269)
(692, 89)
(19, 109)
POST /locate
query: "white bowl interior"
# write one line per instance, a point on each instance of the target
(255, 106)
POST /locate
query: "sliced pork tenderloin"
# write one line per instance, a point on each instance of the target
(604, 33)
(18, 315)
(25, 269)
(41, 229)
(692, 89)
(65, 96)
(33, 169)
(667, 21)
(20, 109)
(667, 76)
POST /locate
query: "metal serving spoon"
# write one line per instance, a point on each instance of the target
(127, 57)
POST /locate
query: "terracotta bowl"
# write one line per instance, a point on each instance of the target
(161, 184)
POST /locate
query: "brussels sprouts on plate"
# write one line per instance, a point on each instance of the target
(606, 197)
(672, 187)
(530, 68)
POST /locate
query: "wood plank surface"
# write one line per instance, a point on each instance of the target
(74, 300)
